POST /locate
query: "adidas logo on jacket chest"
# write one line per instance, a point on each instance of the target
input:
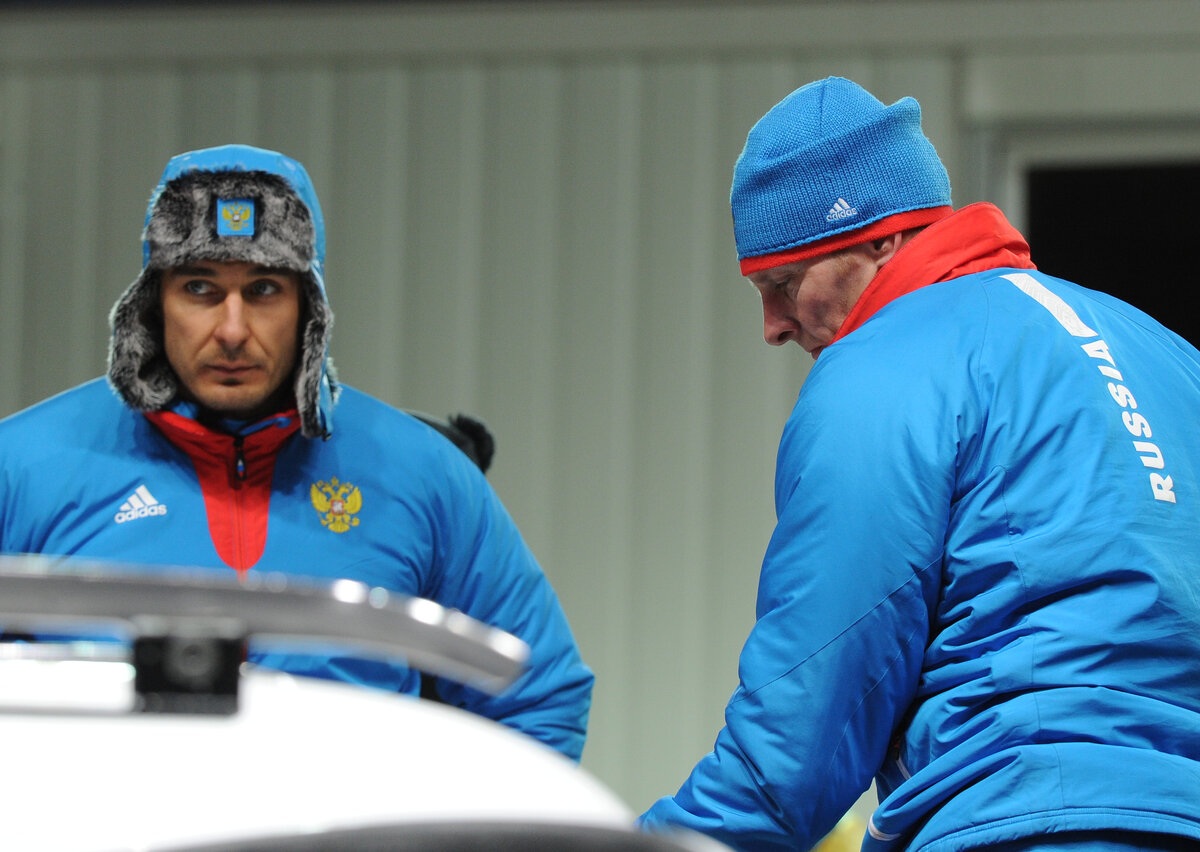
(140, 504)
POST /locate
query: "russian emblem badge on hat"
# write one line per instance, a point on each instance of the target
(235, 217)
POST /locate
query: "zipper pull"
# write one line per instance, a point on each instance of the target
(239, 459)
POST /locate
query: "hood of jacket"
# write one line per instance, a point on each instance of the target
(233, 202)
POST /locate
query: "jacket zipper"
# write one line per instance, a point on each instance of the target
(239, 514)
(239, 461)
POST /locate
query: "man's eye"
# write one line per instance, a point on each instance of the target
(197, 287)
(264, 287)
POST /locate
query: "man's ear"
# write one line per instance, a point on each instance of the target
(884, 248)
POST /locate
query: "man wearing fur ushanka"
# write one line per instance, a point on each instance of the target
(213, 443)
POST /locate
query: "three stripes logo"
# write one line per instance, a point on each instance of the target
(141, 504)
(841, 209)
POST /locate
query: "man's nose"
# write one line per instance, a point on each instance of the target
(232, 328)
(778, 326)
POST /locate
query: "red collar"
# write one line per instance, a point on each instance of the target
(974, 239)
(193, 437)
(235, 475)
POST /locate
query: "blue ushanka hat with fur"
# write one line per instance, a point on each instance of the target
(825, 164)
(233, 202)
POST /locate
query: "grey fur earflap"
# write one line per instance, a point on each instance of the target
(185, 225)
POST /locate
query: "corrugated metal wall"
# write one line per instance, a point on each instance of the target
(528, 221)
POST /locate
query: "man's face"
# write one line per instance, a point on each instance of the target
(807, 301)
(230, 330)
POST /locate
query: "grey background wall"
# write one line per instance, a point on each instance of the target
(528, 221)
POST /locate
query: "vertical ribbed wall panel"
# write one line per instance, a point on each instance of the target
(441, 272)
(672, 432)
(519, 286)
(592, 556)
(16, 94)
(370, 208)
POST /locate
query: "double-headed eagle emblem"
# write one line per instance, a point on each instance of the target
(237, 216)
(337, 503)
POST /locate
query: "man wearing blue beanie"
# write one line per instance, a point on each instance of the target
(983, 589)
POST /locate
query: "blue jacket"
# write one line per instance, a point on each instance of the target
(984, 585)
(83, 475)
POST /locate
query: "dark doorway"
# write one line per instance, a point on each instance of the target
(1127, 230)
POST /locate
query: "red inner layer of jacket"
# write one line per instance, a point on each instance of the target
(973, 239)
(235, 474)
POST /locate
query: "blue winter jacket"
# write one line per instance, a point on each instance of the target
(382, 498)
(984, 585)
(82, 475)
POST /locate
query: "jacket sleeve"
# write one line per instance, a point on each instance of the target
(847, 586)
(485, 569)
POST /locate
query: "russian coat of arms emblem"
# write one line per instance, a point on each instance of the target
(337, 503)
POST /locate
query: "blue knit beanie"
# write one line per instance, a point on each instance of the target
(825, 163)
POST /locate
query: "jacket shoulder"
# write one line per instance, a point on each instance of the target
(389, 432)
(93, 402)
(359, 414)
(57, 432)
